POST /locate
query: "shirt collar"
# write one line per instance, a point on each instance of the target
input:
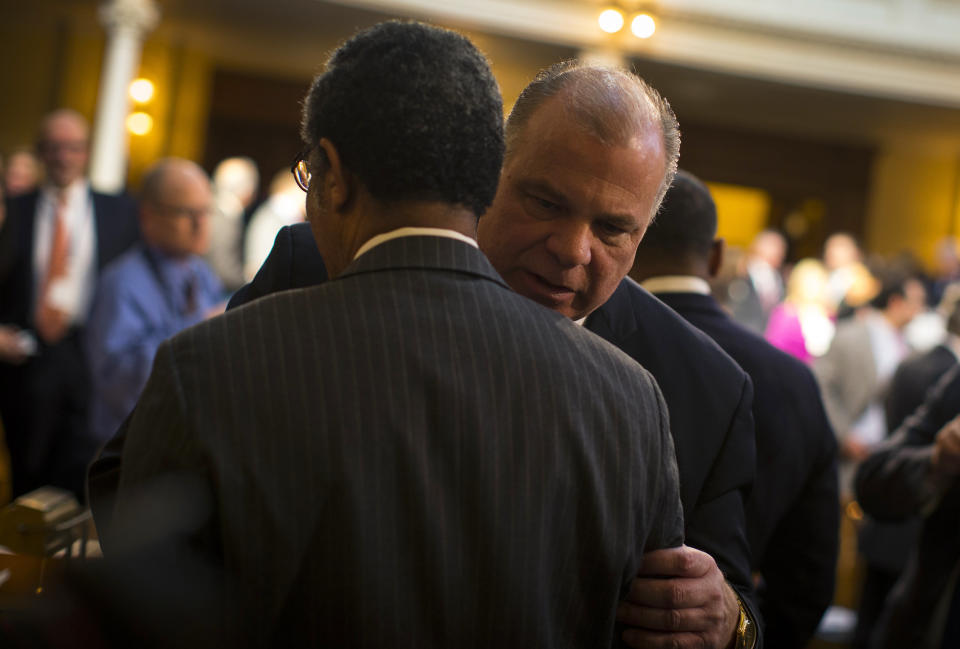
(74, 191)
(415, 232)
(676, 284)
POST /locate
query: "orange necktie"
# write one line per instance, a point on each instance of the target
(51, 322)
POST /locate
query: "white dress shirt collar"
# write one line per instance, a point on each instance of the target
(415, 232)
(676, 284)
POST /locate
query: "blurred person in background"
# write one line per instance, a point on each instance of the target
(283, 207)
(841, 258)
(886, 546)
(235, 182)
(64, 234)
(801, 325)
(947, 271)
(855, 372)
(156, 289)
(915, 474)
(761, 288)
(21, 173)
(793, 510)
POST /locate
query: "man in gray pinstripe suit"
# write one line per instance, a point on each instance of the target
(435, 461)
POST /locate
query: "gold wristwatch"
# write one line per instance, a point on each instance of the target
(746, 637)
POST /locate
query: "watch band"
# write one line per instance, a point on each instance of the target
(746, 637)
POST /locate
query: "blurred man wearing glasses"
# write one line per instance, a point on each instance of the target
(64, 234)
(155, 290)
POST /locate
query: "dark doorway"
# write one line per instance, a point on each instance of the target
(254, 116)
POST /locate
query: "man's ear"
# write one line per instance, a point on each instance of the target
(715, 261)
(339, 182)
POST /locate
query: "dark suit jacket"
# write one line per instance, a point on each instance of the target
(435, 461)
(892, 485)
(912, 380)
(116, 229)
(708, 397)
(793, 512)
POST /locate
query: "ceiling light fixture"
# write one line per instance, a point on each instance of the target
(643, 25)
(611, 20)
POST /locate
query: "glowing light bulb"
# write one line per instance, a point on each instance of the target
(139, 123)
(643, 26)
(141, 90)
(611, 20)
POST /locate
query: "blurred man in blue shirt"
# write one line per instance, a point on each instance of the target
(153, 291)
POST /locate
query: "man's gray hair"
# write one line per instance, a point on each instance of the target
(612, 104)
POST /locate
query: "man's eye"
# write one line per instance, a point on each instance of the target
(546, 204)
(610, 229)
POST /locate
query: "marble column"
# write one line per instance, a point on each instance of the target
(126, 22)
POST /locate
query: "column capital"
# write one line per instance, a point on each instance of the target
(136, 15)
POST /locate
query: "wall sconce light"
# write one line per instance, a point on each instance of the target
(139, 123)
(141, 90)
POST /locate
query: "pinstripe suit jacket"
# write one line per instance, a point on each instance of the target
(413, 455)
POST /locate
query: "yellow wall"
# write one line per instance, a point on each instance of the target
(914, 201)
(742, 212)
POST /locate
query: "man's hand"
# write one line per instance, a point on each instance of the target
(11, 347)
(945, 461)
(679, 600)
(852, 449)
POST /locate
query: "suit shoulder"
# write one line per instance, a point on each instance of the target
(116, 273)
(655, 320)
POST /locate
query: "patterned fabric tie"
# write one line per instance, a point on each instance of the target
(190, 295)
(51, 323)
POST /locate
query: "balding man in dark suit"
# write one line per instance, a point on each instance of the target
(792, 514)
(410, 453)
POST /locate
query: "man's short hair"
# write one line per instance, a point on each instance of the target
(893, 282)
(687, 221)
(414, 113)
(612, 104)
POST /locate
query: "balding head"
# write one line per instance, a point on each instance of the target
(63, 146)
(613, 105)
(175, 203)
(587, 165)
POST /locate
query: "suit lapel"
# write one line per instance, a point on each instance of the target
(425, 253)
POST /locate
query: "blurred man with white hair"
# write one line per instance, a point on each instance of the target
(235, 182)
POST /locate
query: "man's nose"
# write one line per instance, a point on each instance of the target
(570, 243)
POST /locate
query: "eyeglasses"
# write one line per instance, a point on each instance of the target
(195, 214)
(300, 171)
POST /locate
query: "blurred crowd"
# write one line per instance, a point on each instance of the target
(878, 333)
(90, 284)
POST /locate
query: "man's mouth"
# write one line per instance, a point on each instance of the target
(544, 290)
